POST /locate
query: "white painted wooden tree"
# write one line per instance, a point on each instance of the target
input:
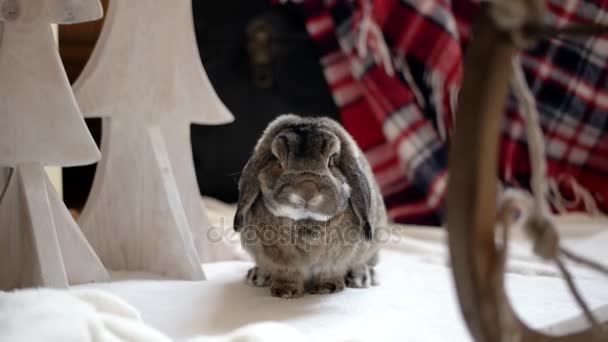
(40, 124)
(4, 171)
(146, 80)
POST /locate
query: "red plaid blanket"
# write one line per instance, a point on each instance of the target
(397, 97)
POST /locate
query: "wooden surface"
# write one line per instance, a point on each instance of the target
(145, 76)
(49, 128)
(4, 174)
(40, 244)
(40, 124)
(146, 65)
(179, 154)
(34, 194)
(50, 11)
(131, 219)
(72, 11)
(473, 164)
(477, 262)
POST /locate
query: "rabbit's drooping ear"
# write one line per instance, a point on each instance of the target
(355, 170)
(360, 196)
(249, 185)
(249, 188)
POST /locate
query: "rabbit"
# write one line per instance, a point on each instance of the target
(308, 209)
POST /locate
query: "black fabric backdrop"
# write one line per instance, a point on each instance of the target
(298, 84)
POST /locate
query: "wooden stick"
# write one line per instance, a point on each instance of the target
(472, 179)
(471, 218)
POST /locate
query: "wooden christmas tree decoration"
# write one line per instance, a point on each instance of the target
(40, 124)
(146, 80)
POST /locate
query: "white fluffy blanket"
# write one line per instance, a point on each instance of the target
(97, 316)
(70, 316)
(415, 301)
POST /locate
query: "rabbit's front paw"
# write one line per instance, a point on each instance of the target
(360, 277)
(328, 286)
(258, 277)
(287, 290)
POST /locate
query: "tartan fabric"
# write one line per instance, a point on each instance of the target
(403, 120)
(569, 78)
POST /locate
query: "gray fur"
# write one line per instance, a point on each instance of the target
(310, 167)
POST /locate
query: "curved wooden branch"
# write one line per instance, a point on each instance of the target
(477, 264)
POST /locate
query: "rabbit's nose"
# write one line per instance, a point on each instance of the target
(307, 190)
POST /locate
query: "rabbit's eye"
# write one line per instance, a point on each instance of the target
(332, 160)
(276, 161)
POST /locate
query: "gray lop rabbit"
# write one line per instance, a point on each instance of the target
(308, 209)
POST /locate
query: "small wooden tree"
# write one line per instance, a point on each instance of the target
(146, 80)
(40, 124)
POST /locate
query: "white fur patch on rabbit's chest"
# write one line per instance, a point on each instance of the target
(296, 214)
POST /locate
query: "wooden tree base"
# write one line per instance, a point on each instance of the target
(40, 244)
(135, 218)
(179, 146)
